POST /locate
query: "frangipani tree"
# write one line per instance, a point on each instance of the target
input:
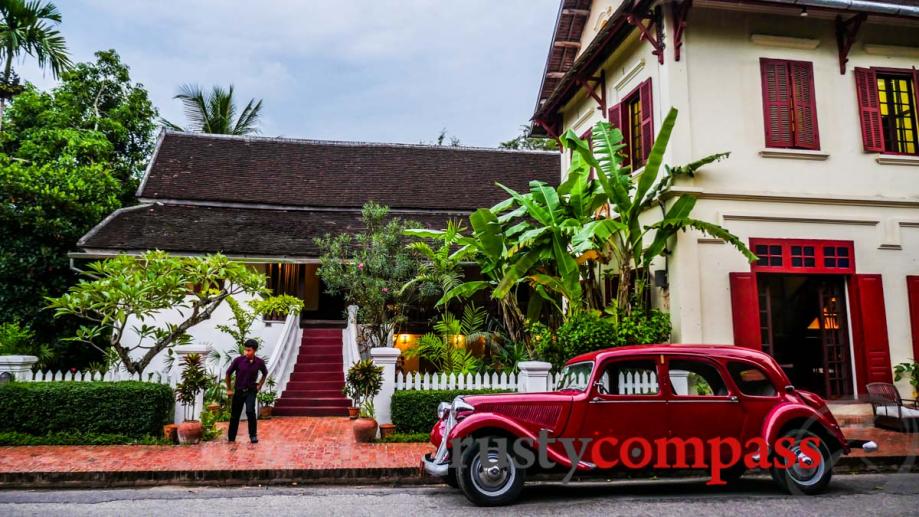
(126, 288)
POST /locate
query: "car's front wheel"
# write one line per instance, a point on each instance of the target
(490, 474)
(807, 475)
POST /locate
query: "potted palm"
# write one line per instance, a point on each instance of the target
(365, 380)
(194, 381)
(266, 399)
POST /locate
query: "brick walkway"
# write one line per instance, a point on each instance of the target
(320, 443)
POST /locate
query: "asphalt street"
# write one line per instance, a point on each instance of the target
(865, 494)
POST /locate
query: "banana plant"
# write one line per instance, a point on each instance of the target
(443, 253)
(634, 246)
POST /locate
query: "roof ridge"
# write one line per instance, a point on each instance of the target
(347, 143)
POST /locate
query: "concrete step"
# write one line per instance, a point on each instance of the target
(317, 376)
(304, 365)
(322, 333)
(320, 394)
(286, 401)
(321, 350)
(316, 385)
(310, 411)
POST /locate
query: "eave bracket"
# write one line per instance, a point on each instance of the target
(846, 32)
(653, 32)
(680, 14)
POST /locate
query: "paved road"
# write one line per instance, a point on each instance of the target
(861, 495)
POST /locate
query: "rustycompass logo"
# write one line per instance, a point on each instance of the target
(715, 454)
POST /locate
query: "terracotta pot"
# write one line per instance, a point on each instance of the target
(170, 432)
(365, 430)
(264, 413)
(213, 407)
(387, 430)
(190, 432)
(354, 412)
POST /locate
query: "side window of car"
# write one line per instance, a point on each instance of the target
(696, 378)
(636, 377)
(751, 380)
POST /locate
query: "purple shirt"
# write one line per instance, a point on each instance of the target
(247, 371)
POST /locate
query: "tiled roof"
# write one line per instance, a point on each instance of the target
(253, 232)
(313, 173)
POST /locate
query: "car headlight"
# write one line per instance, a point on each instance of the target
(443, 409)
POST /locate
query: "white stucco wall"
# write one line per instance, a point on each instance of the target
(847, 196)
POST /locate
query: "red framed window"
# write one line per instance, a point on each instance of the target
(887, 103)
(789, 106)
(634, 116)
(803, 256)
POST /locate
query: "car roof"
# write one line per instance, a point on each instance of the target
(726, 351)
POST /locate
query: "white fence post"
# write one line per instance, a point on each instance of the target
(181, 352)
(534, 376)
(19, 367)
(385, 357)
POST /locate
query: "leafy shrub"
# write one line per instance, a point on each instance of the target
(131, 408)
(12, 438)
(407, 438)
(415, 411)
(589, 331)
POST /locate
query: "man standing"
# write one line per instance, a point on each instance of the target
(247, 368)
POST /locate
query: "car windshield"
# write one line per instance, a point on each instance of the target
(575, 376)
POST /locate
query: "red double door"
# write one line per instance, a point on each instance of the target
(865, 296)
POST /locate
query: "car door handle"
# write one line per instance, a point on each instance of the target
(734, 398)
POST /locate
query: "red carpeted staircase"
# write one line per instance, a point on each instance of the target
(314, 388)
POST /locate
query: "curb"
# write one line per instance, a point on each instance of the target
(344, 476)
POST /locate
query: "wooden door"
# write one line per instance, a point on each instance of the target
(834, 337)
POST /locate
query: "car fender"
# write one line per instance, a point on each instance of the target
(480, 421)
(785, 413)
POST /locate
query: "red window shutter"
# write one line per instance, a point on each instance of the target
(776, 102)
(615, 116)
(869, 109)
(647, 119)
(869, 327)
(806, 133)
(745, 308)
(912, 293)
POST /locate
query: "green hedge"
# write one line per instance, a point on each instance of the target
(415, 411)
(131, 408)
(78, 439)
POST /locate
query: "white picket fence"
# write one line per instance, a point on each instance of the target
(630, 383)
(89, 376)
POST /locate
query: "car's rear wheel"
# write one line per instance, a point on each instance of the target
(808, 475)
(490, 474)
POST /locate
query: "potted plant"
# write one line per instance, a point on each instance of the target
(353, 411)
(387, 430)
(365, 380)
(912, 370)
(194, 381)
(266, 399)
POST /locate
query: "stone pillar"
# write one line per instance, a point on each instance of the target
(181, 352)
(679, 381)
(534, 376)
(18, 366)
(385, 357)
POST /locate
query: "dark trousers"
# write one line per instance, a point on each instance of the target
(241, 397)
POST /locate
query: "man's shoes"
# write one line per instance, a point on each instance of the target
(254, 439)
(231, 440)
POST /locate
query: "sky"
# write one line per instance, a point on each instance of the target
(365, 70)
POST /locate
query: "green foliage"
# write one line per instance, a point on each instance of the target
(20, 439)
(369, 269)
(415, 411)
(277, 306)
(141, 286)
(215, 112)
(589, 331)
(95, 116)
(526, 141)
(446, 347)
(910, 369)
(209, 424)
(407, 438)
(442, 253)
(29, 27)
(68, 157)
(194, 380)
(627, 244)
(267, 397)
(364, 381)
(131, 408)
(18, 340)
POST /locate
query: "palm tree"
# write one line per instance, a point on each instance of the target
(215, 112)
(28, 27)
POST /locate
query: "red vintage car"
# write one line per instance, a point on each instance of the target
(642, 407)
